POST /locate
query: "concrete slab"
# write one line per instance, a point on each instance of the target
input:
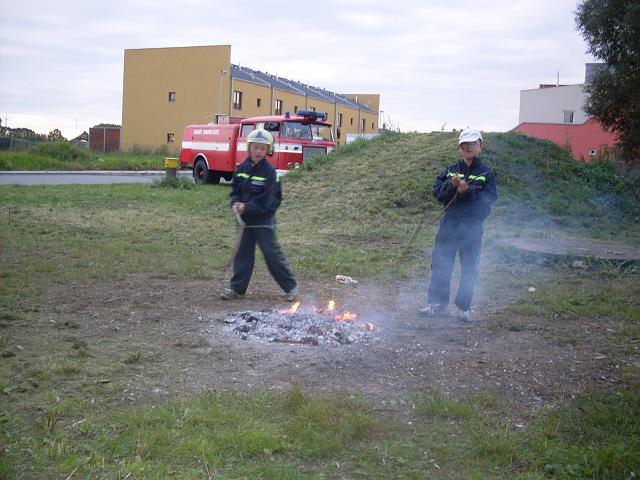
(575, 247)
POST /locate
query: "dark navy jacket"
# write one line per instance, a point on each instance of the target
(475, 204)
(259, 189)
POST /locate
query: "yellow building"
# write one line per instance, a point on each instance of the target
(165, 89)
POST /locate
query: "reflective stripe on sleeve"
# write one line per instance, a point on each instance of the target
(246, 175)
(479, 178)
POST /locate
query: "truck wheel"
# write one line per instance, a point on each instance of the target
(201, 174)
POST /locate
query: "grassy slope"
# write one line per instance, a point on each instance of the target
(390, 178)
(372, 195)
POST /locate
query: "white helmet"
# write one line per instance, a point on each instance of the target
(260, 135)
(469, 135)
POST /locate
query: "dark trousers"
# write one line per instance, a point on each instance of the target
(265, 237)
(455, 237)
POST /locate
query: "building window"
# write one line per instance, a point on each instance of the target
(351, 120)
(568, 116)
(259, 102)
(172, 96)
(237, 100)
(313, 109)
(339, 120)
(278, 107)
(295, 109)
(364, 124)
(373, 127)
(171, 137)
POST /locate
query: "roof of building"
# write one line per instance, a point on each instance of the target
(268, 80)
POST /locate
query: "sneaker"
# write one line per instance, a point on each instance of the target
(465, 316)
(431, 310)
(292, 294)
(229, 294)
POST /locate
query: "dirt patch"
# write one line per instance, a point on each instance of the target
(172, 339)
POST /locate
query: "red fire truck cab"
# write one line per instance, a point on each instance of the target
(213, 151)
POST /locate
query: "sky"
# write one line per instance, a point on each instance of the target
(437, 64)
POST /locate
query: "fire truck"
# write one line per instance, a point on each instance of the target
(213, 151)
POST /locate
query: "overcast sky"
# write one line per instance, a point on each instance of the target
(435, 63)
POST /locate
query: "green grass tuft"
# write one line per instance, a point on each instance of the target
(173, 182)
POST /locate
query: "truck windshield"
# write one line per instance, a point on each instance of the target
(322, 132)
(296, 130)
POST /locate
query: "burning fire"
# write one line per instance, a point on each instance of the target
(345, 317)
(292, 310)
(331, 307)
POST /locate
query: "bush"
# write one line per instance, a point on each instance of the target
(64, 151)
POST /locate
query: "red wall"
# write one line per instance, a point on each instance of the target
(104, 139)
(581, 138)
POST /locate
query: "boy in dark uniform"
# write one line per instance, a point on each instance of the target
(467, 189)
(256, 195)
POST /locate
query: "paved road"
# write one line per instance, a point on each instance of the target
(81, 177)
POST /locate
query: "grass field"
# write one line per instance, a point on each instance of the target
(65, 388)
(65, 156)
(295, 435)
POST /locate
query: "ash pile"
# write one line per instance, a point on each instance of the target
(306, 327)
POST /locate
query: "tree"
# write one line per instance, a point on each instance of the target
(24, 133)
(56, 136)
(611, 28)
(83, 136)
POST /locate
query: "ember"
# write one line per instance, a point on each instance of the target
(309, 326)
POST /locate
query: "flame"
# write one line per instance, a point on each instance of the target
(293, 309)
(340, 317)
(345, 317)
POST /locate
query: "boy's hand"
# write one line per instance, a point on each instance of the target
(462, 186)
(238, 207)
(455, 181)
